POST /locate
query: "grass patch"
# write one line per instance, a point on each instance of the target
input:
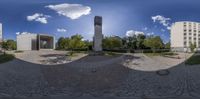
(193, 60)
(19, 51)
(152, 54)
(75, 53)
(6, 57)
(169, 54)
(161, 54)
(71, 54)
(112, 53)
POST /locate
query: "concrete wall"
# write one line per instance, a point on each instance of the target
(33, 41)
(27, 42)
(1, 33)
(177, 35)
(98, 36)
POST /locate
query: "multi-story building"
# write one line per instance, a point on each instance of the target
(1, 36)
(183, 34)
(1, 33)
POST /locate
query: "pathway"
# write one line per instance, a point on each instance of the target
(98, 77)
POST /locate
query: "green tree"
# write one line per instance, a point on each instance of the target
(88, 44)
(114, 42)
(131, 42)
(63, 43)
(192, 46)
(140, 41)
(134, 41)
(168, 45)
(154, 43)
(76, 42)
(9, 45)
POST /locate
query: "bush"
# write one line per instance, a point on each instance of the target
(116, 50)
(111, 53)
(169, 53)
(194, 60)
(147, 51)
(19, 51)
(6, 57)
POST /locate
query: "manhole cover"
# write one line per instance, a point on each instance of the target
(163, 72)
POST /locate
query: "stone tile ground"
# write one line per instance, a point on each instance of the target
(99, 77)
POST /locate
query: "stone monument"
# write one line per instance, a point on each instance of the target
(98, 36)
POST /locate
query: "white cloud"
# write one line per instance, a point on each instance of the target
(150, 34)
(17, 33)
(61, 30)
(169, 27)
(72, 11)
(163, 30)
(162, 20)
(145, 29)
(22, 33)
(38, 17)
(133, 33)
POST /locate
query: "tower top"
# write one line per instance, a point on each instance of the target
(98, 20)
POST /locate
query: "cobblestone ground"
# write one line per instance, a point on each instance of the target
(98, 77)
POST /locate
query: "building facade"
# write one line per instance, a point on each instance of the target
(183, 34)
(98, 36)
(1, 35)
(31, 41)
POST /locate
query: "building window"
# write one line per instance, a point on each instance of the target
(185, 34)
(190, 38)
(195, 34)
(185, 38)
(190, 33)
(185, 30)
(195, 30)
(185, 44)
(194, 24)
(195, 38)
(190, 30)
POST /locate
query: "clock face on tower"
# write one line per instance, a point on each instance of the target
(98, 20)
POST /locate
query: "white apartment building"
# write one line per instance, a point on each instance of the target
(1, 33)
(183, 34)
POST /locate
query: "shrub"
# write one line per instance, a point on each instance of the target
(6, 57)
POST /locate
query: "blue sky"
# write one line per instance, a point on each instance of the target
(69, 17)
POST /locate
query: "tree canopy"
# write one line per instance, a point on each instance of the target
(75, 42)
(9, 45)
(114, 42)
(134, 41)
(154, 43)
(139, 41)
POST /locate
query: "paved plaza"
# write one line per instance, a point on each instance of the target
(100, 77)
